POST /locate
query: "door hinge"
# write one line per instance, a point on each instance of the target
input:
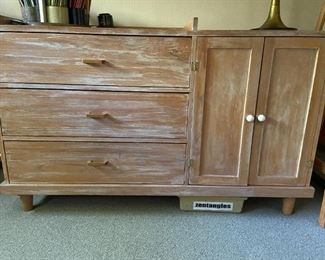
(310, 164)
(195, 66)
(190, 163)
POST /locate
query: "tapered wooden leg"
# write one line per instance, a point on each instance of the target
(322, 214)
(288, 206)
(26, 202)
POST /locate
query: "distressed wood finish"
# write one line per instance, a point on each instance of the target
(128, 61)
(192, 25)
(74, 113)
(157, 190)
(291, 97)
(94, 139)
(95, 88)
(288, 206)
(134, 111)
(226, 90)
(69, 162)
(94, 30)
(26, 202)
(136, 31)
(190, 122)
(322, 213)
(3, 156)
(260, 33)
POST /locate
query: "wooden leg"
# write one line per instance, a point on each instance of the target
(322, 214)
(26, 202)
(288, 206)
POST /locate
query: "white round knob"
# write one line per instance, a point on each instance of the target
(261, 118)
(250, 118)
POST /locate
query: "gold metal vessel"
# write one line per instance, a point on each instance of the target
(274, 21)
(57, 14)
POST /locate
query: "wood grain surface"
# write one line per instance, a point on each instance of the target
(190, 125)
(322, 213)
(69, 162)
(128, 61)
(291, 97)
(3, 156)
(147, 31)
(226, 91)
(95, 139)
(95, 88)
(118, 111)
(157, 190)
(64, 113)
(93, 30)
(260, 33)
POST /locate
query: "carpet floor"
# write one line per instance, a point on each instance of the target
(79, 227)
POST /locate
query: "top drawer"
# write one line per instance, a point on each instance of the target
(95, 60)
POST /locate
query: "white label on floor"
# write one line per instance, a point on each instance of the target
(213, 206)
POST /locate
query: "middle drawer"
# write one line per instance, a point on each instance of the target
(93, 114)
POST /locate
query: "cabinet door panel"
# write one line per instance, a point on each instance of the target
(290, 97)
(226, 90)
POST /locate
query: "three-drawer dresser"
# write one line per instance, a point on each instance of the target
(165, 112)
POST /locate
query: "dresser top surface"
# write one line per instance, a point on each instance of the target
(147, 31)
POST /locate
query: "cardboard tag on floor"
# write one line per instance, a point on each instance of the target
(215, 204)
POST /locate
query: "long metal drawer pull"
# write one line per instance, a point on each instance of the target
(99, 116)
(98, 163)
(93, 61)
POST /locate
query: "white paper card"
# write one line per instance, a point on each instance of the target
(213, 206)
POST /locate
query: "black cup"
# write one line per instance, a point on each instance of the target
(105, 20)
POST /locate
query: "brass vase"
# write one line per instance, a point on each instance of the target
(274, 21)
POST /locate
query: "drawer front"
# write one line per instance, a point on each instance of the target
(94, 60)
(93, 114)
(83, 162)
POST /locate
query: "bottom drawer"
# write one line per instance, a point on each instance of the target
(85, 162)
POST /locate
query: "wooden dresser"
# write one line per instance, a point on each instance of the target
(90, 111)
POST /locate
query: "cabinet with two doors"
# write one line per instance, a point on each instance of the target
(258, 104)
(159, 112)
